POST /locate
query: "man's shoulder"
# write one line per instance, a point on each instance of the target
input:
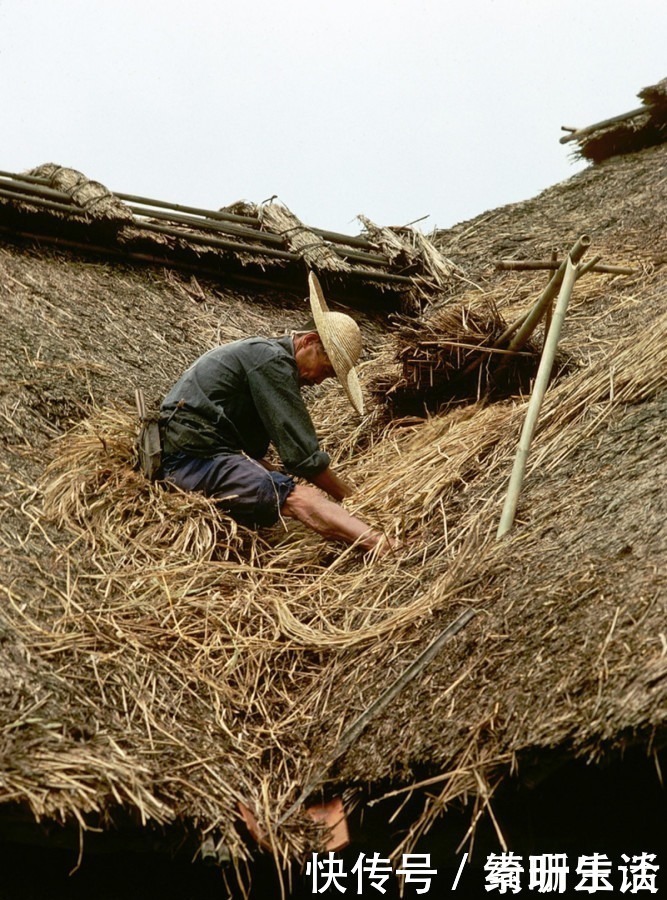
(260, 350)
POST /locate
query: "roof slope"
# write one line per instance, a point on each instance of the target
(168, 661)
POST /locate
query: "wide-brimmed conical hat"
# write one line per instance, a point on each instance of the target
(341, 339)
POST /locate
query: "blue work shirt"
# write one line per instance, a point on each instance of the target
(239, 398)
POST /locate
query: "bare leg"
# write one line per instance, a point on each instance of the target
(330, 520)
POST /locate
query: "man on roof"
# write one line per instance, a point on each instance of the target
(218, 420)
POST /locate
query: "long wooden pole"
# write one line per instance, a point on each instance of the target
(353, 731)
(534, 406)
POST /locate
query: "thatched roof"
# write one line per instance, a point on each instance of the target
(628, 132)
(244, 243)
(163, 660)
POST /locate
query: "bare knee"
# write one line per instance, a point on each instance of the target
(298, 501)
(307, 504)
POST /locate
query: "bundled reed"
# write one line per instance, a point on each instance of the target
(450, 356)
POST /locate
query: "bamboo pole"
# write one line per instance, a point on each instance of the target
(588, 266)
(215, 242)
(221, 215)
(334, 237)
(623, 117)
(550, 308)
(519, 265)
(337, 238)
(42, 203)
(535, 403)
(264, 237)
(529, 324)
(39, 191)
(370, 259)
(195, 210)
(381, 276)
(208, 224)
(30, 179)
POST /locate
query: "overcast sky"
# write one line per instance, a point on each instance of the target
(392, 109)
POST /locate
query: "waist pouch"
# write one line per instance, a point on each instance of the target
(149, 445)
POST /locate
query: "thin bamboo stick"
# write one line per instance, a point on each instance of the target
(519, 265)
(464, 346)
(537, 396)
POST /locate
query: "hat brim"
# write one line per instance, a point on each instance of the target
(345, 371)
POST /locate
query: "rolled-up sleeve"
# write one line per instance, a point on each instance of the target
(275, 392)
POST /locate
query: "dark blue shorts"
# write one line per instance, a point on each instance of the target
(240, 485)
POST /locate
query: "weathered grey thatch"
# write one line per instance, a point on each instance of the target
(165, 661)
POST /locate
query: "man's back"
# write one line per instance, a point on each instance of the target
(238, 398)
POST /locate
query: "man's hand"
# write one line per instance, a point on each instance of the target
(334, 485)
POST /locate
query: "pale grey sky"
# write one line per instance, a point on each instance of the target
(392, 109)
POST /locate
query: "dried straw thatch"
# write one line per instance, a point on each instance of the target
(163, 660)
(241, 243)
(645, 127)
(451, 357)
(313, 249)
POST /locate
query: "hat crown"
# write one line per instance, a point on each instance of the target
(344, 335)
(341, 338)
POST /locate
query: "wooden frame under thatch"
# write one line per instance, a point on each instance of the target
(262, 245)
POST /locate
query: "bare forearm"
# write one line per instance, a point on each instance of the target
(333, 484)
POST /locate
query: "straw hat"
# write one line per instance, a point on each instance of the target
(341, 338)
